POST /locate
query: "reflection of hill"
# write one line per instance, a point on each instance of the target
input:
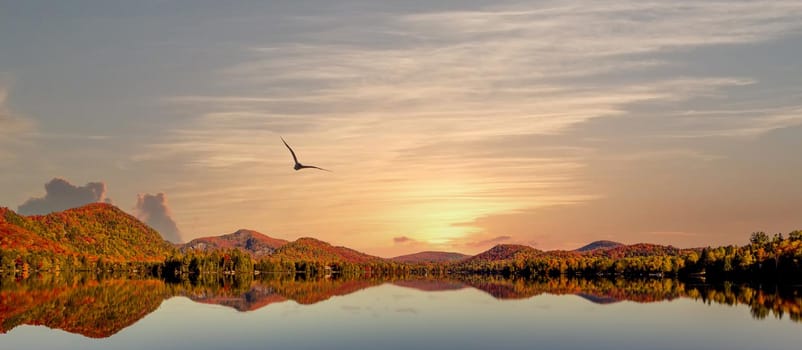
(773, 300)
(102, 307)
(315, 291)
(246, 294)
(502, 288)
(595, 290)
(431, 285)
(257, 297)
(762, 302)
(597, 299)
(92, 308)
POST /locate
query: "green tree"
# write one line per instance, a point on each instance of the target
(759, 238)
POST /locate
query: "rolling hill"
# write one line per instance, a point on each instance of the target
(430, 257)
(255, 243)
(93, 231)
(640, 249)
(504, 252)
(599, 245)
(313, 250)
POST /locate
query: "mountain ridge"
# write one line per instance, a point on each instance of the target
(255, 243)
(90, 232)
(501, 252)
(600, 244)
(315, 250)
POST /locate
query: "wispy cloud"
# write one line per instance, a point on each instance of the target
(742, 123)
(405, 116)
(13, 127)
(402, 240)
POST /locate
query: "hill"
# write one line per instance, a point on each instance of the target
(14, 237)
(599, 245)
(94, 231)
(640, 249)
(255, 243)
(313, 250)
(430, 257)
(504, 252)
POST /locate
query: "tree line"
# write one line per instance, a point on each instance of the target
(777, 257)
(765, 257)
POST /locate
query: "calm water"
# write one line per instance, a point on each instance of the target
(464, 313)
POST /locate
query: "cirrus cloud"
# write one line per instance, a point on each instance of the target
(13, 127)
(425, 93)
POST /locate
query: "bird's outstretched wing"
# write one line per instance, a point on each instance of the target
(291, 151)
(315, 167)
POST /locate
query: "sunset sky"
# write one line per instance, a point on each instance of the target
(449, 125)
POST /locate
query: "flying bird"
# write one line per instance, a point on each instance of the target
(298, 165)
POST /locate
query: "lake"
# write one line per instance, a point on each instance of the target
(455, 312)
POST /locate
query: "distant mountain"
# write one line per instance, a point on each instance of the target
(96, 230)
(599, 245)
(255, 243)
(310, 249)
(505, 252)
(430, 257)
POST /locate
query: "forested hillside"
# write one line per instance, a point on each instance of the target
(78, 238)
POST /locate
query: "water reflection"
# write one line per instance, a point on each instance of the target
(93, 307)
(100, 306)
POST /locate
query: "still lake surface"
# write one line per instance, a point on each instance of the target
(458, 312)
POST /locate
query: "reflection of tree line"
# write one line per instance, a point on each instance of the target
(94, 307)
(252, 292)
(100, 306)
(762, 299)
(771, 299)
(638, 290)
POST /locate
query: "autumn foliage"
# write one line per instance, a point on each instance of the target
(94, 235)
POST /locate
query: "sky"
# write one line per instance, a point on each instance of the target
(448, 125)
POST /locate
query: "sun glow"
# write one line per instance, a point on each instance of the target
(440, 212)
